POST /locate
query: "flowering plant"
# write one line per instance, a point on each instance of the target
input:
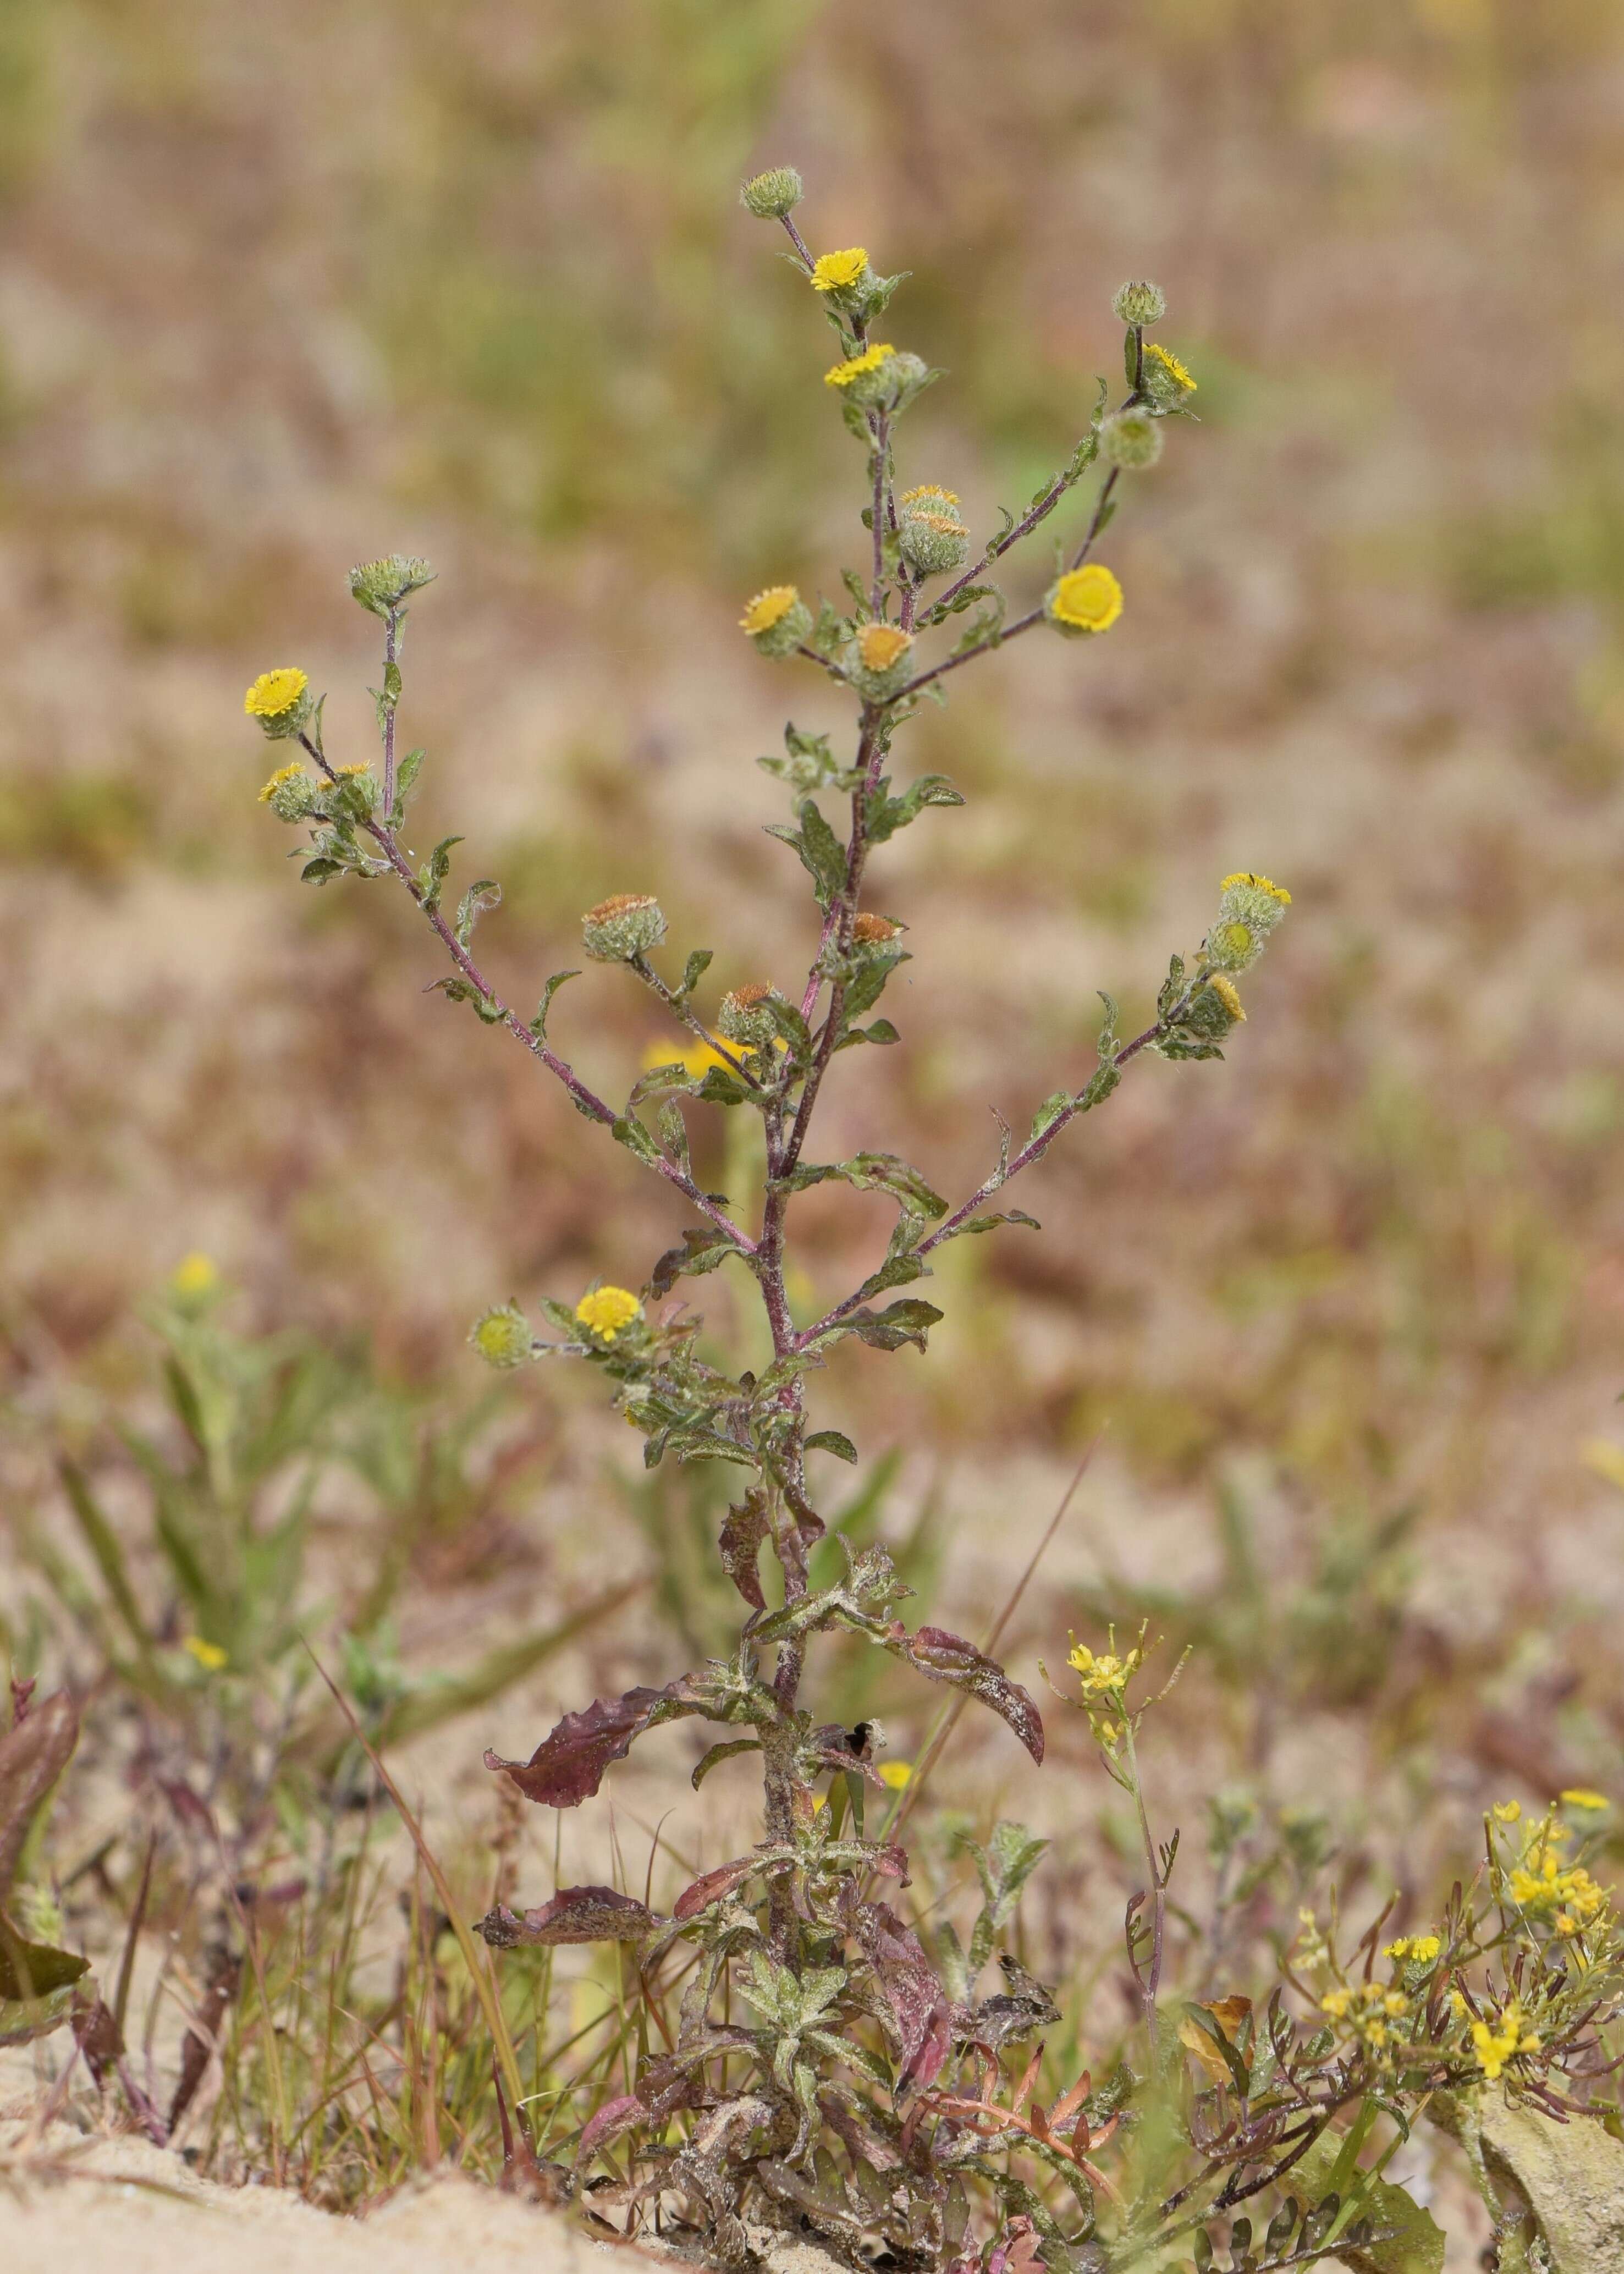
(859, 2037)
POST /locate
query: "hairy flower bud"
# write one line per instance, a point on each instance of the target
(502, 1335)
(291, 793)
(1131, 439)
(1140, 302)
(382, 585)
(776, 621)
(745, 1017)
(874, 931)
(624, 925)
(931, 535)
(1084, 601)
(1214, 1009)
(771, 195)
(1249, 908)
(877, 662)
(1164, 378)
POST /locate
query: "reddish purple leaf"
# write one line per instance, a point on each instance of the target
(569, 1765)
(711, 1887)
(574, 1915)
(947, 1657)
(33, 1752)
(920, 2013)
(614, 2117)
(746, 1527)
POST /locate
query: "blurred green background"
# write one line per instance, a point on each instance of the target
(283, 288)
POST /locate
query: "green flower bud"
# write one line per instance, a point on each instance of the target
(1141, 303)
(744, 1017)
(1214, 1009)
(1164, 378)
(1131, 439)
(502, 1336)
(624, 925)
(291, 793)
(931, 536)
(775, 193)
(354, 794)
(381, 585)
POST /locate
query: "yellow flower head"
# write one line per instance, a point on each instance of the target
(842, 374)
(768, 608)
(1245, 877)
(208, 1655)
(283, 775)
(896, 1775)
(695, 1056)
(1169, 369)
(1224, 990)
(883, 645)
(1581, 1796)
(607, 1311)
(274, 692)
(1086, 599)
(837, 271)
(930, 497)
(194, 1277)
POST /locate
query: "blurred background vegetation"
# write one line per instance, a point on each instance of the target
(284, 289)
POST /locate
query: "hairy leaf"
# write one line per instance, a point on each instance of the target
(920, 2013)
(947, 1657)
(701, 1251)
(748, 1524)
(569, 1765)
(574, 1915)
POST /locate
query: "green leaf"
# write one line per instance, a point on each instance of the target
(693, 971)
(887, 814)
(483, 894)
(1049, 1113)
(888, 1173)
(831, 1441)
(674, 1134)
(882, 1031)
(627, 1130)
(701, 1251)
(822, 853)
(1407, 2240)
(538, 1024)
(991, 1223)
(908, 1322)
(318, 871)
(431, 878)
(405, 779)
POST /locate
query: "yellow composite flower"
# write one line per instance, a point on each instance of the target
(1170, 366)
(608, 1311)
(768, 608)
(1224, 990)
(195, 1275)
(837, 271)
(274, 692)
(283, 775)
(882, 646)
(928, 495)
(1088, 599)
(842, 374)
(1256, 883)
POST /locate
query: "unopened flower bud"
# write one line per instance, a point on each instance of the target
(1140, 302)
(932, 536)
(1214, 1009)
(775, 193)
(776, 621)
(382, 585)
(291, 793)
(745, 1016)
(1164, 378)
(1131, 439)
(502, 1336)
(1249, 908)
(624, 925)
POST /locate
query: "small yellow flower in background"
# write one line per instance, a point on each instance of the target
(1605, 1459)
(208, 1655)
(1086, 599)
(194, 1277)
(607, 1311)
(274, 692)
(837, 271)
(1164, 374)
(1335, 2003)
(896, 1775)
(1224, 990)
(1248, 881)
(1506, 1811)
(842, 374)
(695, 1057)
(882, 646)
(768, 608)
(1581, 1796)
(278, 780)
